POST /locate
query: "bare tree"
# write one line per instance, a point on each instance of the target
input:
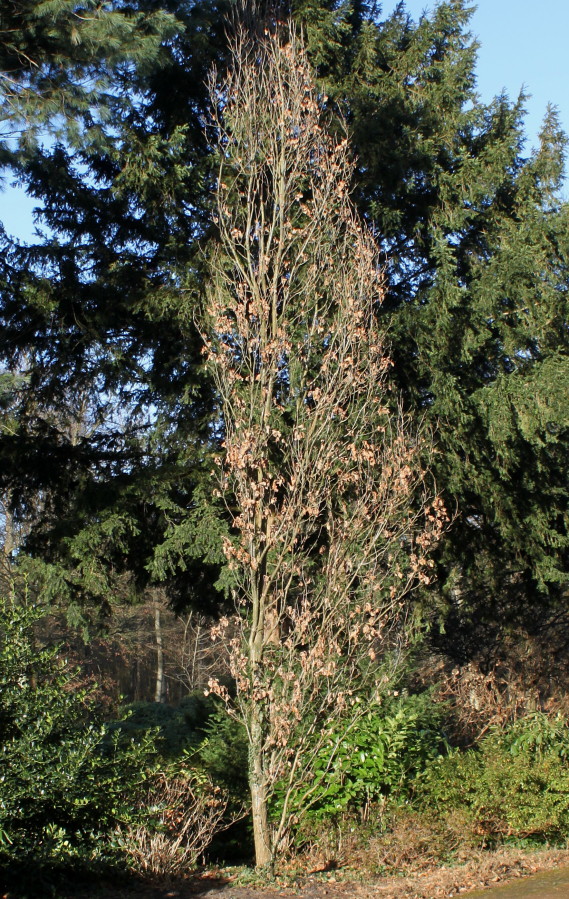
(193, 656)
(320, 479)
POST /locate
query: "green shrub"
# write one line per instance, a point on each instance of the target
(199, 737)
(224, 753)
(197, 732)
(178, 728)
(514, 786)
(389, 746)
(63, 780)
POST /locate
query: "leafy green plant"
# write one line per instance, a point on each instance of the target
(514, 786)
(64, 780)
(196, 740)
(197, 733)
(178, 728)
(379, 756)
(223, 753)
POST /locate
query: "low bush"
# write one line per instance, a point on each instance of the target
(179, 728)
(197, 730)
(514, 786)
(63, 779)
(398, 798)
(223, 754)
(394, 839)
(376, 759)
(195, 739)
(179, 814)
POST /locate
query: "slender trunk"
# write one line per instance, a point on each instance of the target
(197, 678)
(160, 693)
(258, 788)
(7, 548)
(136, 681)
(9, 530)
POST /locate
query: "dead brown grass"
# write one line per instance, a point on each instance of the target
(391, 842)
(519, 674)
(482, 870)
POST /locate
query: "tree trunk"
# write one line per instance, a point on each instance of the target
(7, 548)
(9, 543)
(257, 785)
(160, 693)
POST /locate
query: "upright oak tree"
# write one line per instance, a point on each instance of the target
(330, 520)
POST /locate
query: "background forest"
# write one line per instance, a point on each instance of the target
(143, 477)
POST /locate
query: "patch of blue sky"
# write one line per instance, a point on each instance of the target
(17, 212)
(523, 46)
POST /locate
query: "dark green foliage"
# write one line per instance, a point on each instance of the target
(224, 753)
(198, 729)
(114, 409)
(198, 736)
(475, 238)
(514, 786)
(63, 778)
(110, 420)
(59, 57)
(179, 728)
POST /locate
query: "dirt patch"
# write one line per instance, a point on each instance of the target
(486, 869)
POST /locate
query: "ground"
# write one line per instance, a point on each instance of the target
(486, 869)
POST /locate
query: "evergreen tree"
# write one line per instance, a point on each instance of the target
(476, 254)
(92, 313)
(475, 245)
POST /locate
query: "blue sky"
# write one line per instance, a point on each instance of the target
(523, 44)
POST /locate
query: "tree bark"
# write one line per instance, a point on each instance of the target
(258, 788)
(160, 693)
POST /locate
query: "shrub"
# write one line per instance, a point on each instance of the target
(178, 728)
(224, 753)
(514, 786)
(63, 780)
(197, 732)
(179, 815)
(389, 746)
(195, 739)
